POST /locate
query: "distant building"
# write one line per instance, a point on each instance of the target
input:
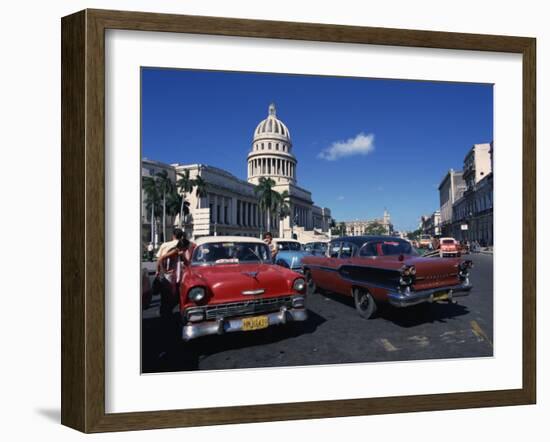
(363, 227)
(477, 164)
(473, 212)
(451, 189)
(431, 224)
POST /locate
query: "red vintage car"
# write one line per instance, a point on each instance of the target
(449, 247)
(232, 285)
(375, 269)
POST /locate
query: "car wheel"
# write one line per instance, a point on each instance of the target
(364, 303)
(310, 284)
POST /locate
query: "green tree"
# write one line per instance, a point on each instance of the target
(415, 234)
(185, 186)
(267, 198)
(200, 188)
(174, 202)
(342, 229)
(165, 186)
(283, 208)
(151, 192)
(375, 228)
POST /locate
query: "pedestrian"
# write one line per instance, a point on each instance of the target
(170, 270)
(177, 234)
(268, 239)
(150, 251)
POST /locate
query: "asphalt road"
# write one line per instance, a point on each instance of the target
(335, 334)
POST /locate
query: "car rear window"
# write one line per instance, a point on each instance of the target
(448, 241)
(386, 248)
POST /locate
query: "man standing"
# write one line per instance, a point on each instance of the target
(150, 251)
(268, 239)
(177, 235)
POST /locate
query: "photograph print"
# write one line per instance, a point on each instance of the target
(302, 220)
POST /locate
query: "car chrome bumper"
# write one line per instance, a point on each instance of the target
(406, 299)
(228, 325)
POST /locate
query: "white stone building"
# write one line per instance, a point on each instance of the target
(362, 227)
(230, 206)
(451, 189)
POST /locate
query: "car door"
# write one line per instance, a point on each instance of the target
(338, 283)
(338, 253)
(323, 272)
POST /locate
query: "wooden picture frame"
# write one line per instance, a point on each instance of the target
(83, 220)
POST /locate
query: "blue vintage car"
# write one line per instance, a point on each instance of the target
(316, 248)
(289, 254)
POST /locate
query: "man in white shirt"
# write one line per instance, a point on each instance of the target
(165, 247)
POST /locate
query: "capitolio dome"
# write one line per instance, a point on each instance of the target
(272, 127)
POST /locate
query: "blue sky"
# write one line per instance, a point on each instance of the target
(362, 144)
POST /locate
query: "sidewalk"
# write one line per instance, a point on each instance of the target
(486, 250)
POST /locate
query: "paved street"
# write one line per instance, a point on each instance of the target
(335, 333)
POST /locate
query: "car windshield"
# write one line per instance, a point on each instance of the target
(321, 246)
(230, 253)
(387, 248)
(289, 245)
(424, 237)
(448, 241)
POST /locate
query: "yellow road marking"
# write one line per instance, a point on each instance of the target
(478, 331)
(388, 345)
(422, 341)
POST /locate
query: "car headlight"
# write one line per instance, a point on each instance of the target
(197, 294)
(299, 285)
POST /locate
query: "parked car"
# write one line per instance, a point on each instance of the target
(146, 289)
(376, 269)
(317, 248)
(424, 241)
(290, 253)
(231, 284)
(449, 247)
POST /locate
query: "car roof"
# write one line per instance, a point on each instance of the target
(212, 239)
(285, 240)
(360, 240)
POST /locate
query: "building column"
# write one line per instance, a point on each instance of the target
(233, 202)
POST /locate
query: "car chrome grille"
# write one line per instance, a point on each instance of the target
(247, 307)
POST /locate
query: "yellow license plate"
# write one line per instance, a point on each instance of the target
(441, 296)
(255, 323)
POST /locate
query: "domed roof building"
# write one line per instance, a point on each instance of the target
(229, 205)
(271, 155)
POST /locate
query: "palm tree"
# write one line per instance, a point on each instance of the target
(200, 188)
(165, 186)
(173, 203)
(267, 198)
(332, 226)
(283, 208)
(342, 229)
(151, 199)
(184, 185)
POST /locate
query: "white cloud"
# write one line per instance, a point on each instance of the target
(361, 144)
(340, 198)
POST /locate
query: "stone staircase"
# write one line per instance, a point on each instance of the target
(305, 236)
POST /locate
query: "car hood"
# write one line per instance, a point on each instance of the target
(292, 258)
(227, 282)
